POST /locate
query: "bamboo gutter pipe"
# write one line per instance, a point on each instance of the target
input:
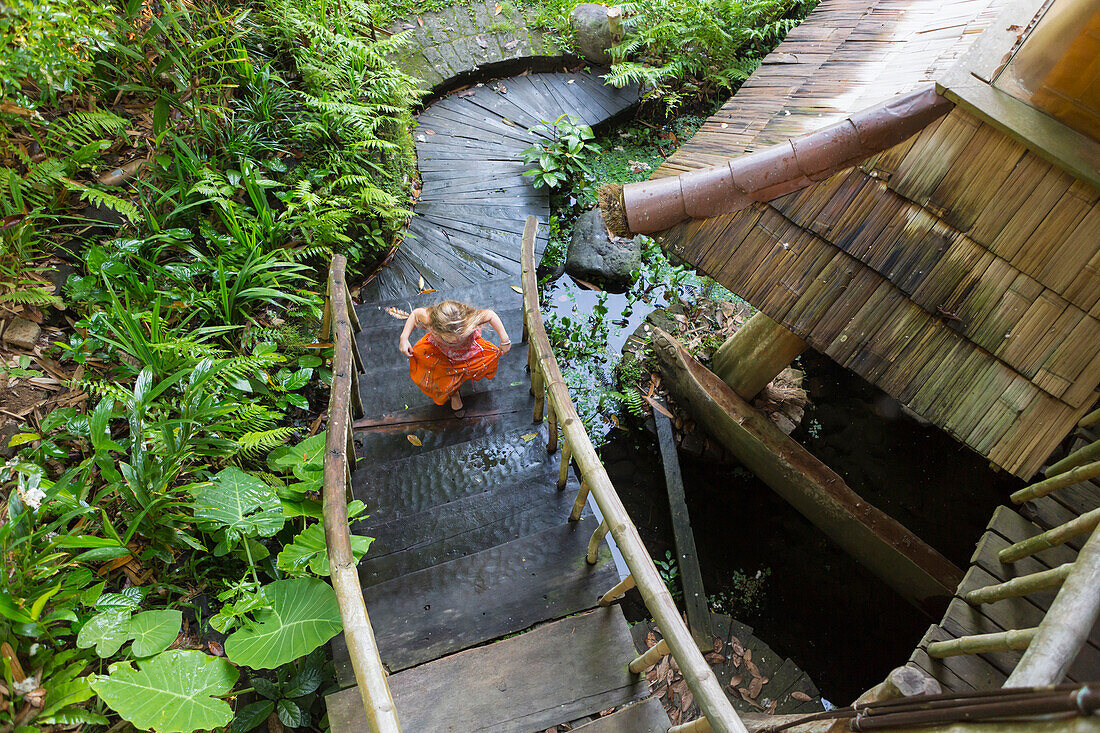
(655, 205)
(374, 688)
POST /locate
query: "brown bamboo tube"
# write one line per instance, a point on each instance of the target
(696, 671)
(623, 586)
(1001, 641)
(1089, 420)
(350, 450)
(357, 409)
(1051, 538)
(1068, 478)
(1025, 584)
(566, 459)
(594, 543)
(1082, 455)
(352, 315)
(647, 659)
(699, 725)
(362, 647)
(578, 505)
(552, 441)
(1067, 624)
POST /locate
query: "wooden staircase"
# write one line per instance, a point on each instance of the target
(484, 609)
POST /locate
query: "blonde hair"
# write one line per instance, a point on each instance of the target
(454, 319)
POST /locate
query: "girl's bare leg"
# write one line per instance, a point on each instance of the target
(456, 400)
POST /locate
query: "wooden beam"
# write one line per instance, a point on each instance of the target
(889, 550)
(755, 353)
(687, 557)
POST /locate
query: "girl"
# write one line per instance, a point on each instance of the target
(452, 351)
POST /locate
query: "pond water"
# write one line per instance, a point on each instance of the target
(782, 576)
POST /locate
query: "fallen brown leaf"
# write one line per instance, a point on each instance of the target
(735, 681)
(801, 696)
(747, 655)
(718, 643)
(686, 700)
(713, 658)
(414, 440)
(651, 640)
(752, 668)
(755, 686)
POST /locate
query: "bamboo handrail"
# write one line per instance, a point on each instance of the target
(1021, 586)
(1060, 535)
(1073, 476)
(999, 641)
(546, 375)
(338, 324)
(1067, 624)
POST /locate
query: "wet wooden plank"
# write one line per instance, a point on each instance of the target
(645, 717)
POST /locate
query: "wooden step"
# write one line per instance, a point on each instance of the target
(500, 514)
(481, 597)
(490, 294)
(389, 443)
(506, 399)
(395, 489)
(643, 717)
(553, 674)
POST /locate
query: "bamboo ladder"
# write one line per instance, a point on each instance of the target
(1050, 647)
(339, 326)
(547, 385)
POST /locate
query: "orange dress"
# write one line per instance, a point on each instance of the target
(439, 368)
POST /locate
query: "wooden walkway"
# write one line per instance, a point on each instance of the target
(467, 224)
(1008, 526)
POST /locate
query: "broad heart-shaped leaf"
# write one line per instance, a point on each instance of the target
(173, 692)
(245, 505)
(107, 630)
(154, 631)
(308, 548)
(303, 615)
(305, 460)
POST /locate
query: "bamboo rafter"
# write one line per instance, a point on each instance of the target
(547, 383)
(338, 325)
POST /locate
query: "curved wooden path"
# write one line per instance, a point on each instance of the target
(467, 224)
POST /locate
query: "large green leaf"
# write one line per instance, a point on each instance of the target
(243, 504)
(308, 549)
(173, 692)
(303, 615)
(305, 460)
(154, 631)
(107, 630)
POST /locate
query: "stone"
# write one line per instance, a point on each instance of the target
(593, 31)
(595, 258)
(7, 432)
(21, 333)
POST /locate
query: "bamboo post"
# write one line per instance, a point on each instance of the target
(594, 543)
(1067, 624)
(699, 725)
(1089, 420)
(538, 383)
(1082, 455)
(623, 586)
(362, 646)
(350, 450)
(695, 670)
(1002, 641)
(647, 659)
(552, 441)
(566, 460)
(1068, 478)
(755, 353)
(1022, 586)
(578, 505)
(352, 315)
(1051, 538)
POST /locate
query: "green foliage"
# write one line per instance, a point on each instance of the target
(242, 504)
(308, 548)
(289, 695)
(564, 157)
(670, 573)
(173, 692)
(301, 617)
(151, 631)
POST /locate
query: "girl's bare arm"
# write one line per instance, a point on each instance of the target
(494, 320)
(418, 317)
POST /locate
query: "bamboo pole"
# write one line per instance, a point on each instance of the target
(1082, 455)
(552, 441)
(594, 543)
(699, 725)
(649, 657)
(578, 505)
(1068, 478)
(566, 459)
(1022, 586)
(1001, 641)
(1089, 420)
(1051, 538)
(623, 586)
(538, 383)
(374, 688)
(1067, 624)
(695, 670)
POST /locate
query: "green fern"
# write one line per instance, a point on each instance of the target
(106, 200)
(254, 443)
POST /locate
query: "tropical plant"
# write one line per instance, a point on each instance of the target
(564, 157)
(290, 695)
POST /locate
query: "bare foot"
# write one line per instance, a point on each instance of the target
(456, 402)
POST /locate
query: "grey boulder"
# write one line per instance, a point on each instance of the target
(596, 258)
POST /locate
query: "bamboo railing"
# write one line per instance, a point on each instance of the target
(339, 326)
(546, 380)
(1049, 648)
